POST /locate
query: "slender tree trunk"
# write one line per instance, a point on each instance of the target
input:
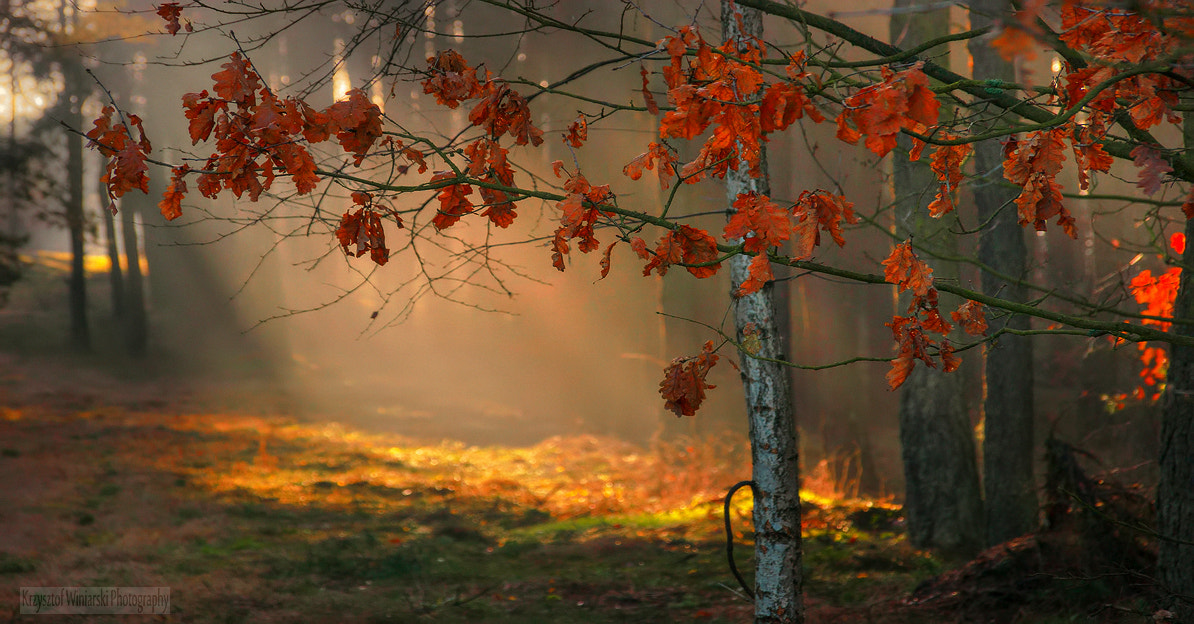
(1011, 501)
(136, 331)
(1175, 493)
(80, 333)
(943, 502)
(115, 274)
(774, 450)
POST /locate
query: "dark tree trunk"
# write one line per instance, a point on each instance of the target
(1175, 493)
(115, 274)
(943, 504)
(774, 449)
(80, 333)
(136, 330)
(1011, 501)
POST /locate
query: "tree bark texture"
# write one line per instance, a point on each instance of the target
(80, 333)
(136, 327)
(1011, 501)
(115, 273)
(943, 500)
(774, 450)
(1175, 492)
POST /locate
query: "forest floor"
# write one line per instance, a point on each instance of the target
(259, 517)
(139, 473)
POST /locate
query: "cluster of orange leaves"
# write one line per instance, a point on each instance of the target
(171, 12)
(256, 136)
(363, 229)
(1115, 39)
(683, 386)
(908, 272)
(719, 92)
(1157, 294)
(126, 168)
(499, 111)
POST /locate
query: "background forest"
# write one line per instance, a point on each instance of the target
(230, 404)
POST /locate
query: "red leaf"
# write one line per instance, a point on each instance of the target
(578, 132)
(949, 361)
(170, 11)
(453, 203)
(171, 203)
(907, 271)
(201, 111)
(759, 222)
(902, 100)
(683, 386)
(237, 83)
(971, 317)
(498, 207)
(363, 228)
(656, 155)
(605, 259)
(1152, 169)
(652, 107)
(359, 123)
(947, 164)
(759, 273)
(452, 80)
(698, 247)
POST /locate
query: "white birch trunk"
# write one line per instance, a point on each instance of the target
(774, 450)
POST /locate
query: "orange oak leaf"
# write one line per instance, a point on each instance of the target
(666, 253)
(171, 203)
(502, 110)
(170, 11)
(949, 361)
(759, 222)
(657, 155)
(128, 171)
(683, 386)
(452, 80)
(237, 83)
(971, 318)
(639, 247)
(453, 202)
(363, 228)
(912, 345)
(578, 132)
(946, 162)
(358, 121)
(1151, 169)
(498, 207)
(697, 247)
(908, 272)
(830, 212)
(605, 259)
(758, 274)
(784, 103)
(201, 111)
(903, 100)
(648, 97)
(1033, 165)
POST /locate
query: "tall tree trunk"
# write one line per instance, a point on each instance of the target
(136, 330)
(1011, 501)
(943, 502)
(774, 449)
(1175, 493)
(115, 273)
(80, 333)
